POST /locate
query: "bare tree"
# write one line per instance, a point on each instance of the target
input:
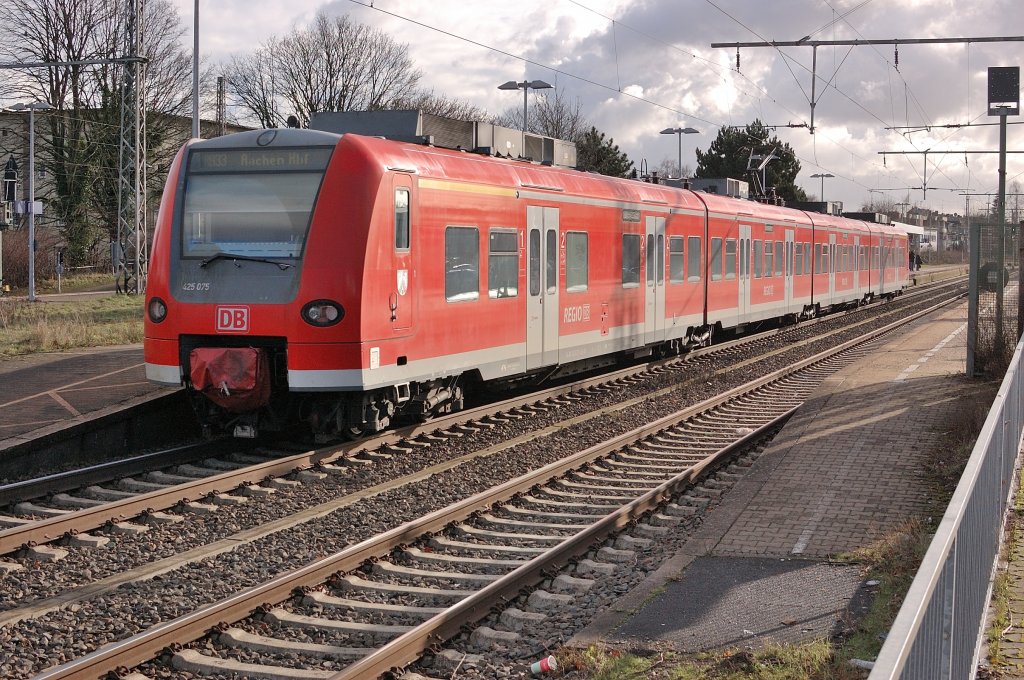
(552, 115)
(254, 82)
(337, 64)
(77, 142)
(668, 168)
(439, 105)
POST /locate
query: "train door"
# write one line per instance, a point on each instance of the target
(403, 296)
(855, 265)
(542, 287)
(654, 298)
(790, 240)
(743, 275)
(831, 268)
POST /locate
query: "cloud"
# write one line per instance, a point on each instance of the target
(653, 67)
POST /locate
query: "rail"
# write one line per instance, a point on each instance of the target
(939, 630)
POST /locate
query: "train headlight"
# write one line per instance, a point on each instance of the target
(322, 313)
(157, 310)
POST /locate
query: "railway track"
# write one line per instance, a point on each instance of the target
(128, 496)
(405, 589)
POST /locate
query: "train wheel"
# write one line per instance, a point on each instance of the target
(352, 433)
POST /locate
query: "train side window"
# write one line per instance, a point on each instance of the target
(461, 264)
(716, 259)
(534, 262)
(630, 260)
(660, 263)
(675, 259)
(799, 259)
(693, 268)
(401, 219)
(503, 264)
(780, 255)
(650, 259)
(576, 274)
(758, 258)
(730, 258)
(551, 262)
(807, 258)
(769, 258)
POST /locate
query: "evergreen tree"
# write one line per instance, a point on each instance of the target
(731, 149)
(596, 154)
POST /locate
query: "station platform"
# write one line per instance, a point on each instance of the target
(42, 393)
(843, 472)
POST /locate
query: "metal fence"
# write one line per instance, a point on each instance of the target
(938, 632)
(995, 298)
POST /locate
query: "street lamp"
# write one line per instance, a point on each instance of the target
(525, 86)
(30, 208)
(680, 132)
(823, 176)
(196, 133)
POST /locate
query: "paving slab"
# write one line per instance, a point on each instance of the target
(844, 472)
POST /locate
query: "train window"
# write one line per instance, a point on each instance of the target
(789, 258)
(534, 262)
(503, 264)
(730, 258)
(807, 258)
(650, 259)
(716, 259)
(799, 259)
(461, 263)
(660, 265)
(693, 267)
(630, 260)
(254, 202)
(758, 258)
(675, 259)
(401, 219)
(779, 256)
(551, 262)
(769, 258)
(576, 275)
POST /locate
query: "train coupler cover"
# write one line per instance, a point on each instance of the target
(235, 378)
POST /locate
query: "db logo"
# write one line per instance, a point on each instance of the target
(232, 319)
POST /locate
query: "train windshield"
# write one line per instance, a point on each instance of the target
(253, 202)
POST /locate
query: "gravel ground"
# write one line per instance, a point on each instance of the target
(31, 646)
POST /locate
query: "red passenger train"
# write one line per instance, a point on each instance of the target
(341, 280)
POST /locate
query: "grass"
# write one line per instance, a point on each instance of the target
(1001, 616)
(27, 328)
(77, 283)
(892, 562)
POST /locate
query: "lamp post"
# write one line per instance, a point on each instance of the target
(525, 86)
(680, 131)
(30, 208)
(195, 71)
(823, 177)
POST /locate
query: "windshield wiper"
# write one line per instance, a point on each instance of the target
(247, 258)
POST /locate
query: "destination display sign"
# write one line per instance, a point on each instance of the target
(303, 159)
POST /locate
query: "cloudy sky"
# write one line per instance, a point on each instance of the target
(640, 66)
